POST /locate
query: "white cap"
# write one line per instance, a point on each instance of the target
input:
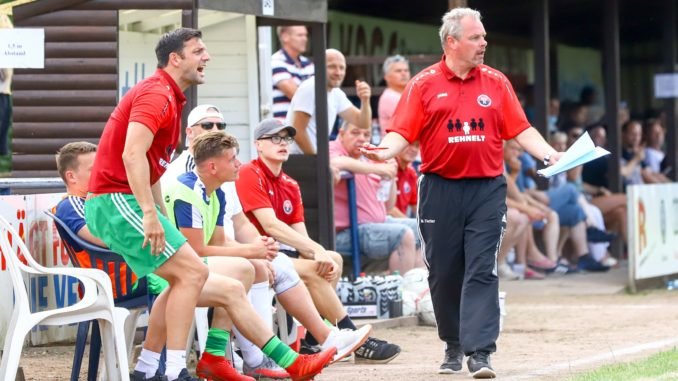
(201, 112)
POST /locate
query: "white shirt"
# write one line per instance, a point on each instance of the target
(654, 158)
(304, 101)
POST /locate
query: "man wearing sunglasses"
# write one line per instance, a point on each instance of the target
(272, 201)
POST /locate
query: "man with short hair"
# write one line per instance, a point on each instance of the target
(289, 67)
(381, 236)
(272, 201)
(126, 211)
(396, 74)
(406, 184)
(211, 163)
(302, 113)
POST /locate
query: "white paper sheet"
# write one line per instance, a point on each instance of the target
(581, 152)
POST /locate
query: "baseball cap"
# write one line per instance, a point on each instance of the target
(201, 112)
(272, 126)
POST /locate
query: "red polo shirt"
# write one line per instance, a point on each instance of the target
(406, 188)
(259, 188)
(459, 122)
(156, 102)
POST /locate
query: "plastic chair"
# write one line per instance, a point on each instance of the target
(126, 295)
(96, 303)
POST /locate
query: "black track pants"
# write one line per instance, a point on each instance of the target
(462, 223)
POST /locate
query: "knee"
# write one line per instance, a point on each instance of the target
(257, 270)
(233, 289)
(196, 274)
(407, 239)
(337, 258)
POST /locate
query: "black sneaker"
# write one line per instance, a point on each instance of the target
(185, 376)
(588, 263)
(594, 234)
(141, 376)
(453, 360)
(479, 365)
(305, 348)
(376, 351)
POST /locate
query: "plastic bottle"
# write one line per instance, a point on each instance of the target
(376, 132)
(384, 189)
(399, 284)
(382, 297)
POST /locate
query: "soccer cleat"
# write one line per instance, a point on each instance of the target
(376, 351)
(267, 369)
(479, 365)
(217, 368)
(346, 340)
(453, 360)
(305, 367)
(141, 376)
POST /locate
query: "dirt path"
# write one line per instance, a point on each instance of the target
(554, 329)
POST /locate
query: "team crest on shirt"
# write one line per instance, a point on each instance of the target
(287, 207)
(407, 188)
(484, 100)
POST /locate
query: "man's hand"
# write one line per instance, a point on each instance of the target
(153, 233)
(534, 213)
(363, 91)
(272, 247)
(326, 267)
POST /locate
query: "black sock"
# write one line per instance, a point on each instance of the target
(310, 340)
(346, 323)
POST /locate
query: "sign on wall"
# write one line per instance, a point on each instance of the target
(652, 230)
(22, 48)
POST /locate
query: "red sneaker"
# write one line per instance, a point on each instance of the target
(217, 368)
(308, 366)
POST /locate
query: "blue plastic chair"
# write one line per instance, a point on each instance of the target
(133, 297)
(353, 219)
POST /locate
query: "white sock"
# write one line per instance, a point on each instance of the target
(176, 361)
(261, 301)
(148, 362)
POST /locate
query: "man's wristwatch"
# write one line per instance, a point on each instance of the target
(547, 159)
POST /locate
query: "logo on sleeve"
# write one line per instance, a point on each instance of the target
(484, 100)
(287, 207)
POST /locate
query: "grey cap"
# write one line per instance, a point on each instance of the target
(272, 126)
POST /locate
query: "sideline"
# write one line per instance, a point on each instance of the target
(577, 365)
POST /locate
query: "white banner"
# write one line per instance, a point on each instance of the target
(652, 230)
(25, 213)
(22, 48)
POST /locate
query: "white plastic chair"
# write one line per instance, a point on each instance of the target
(96, 303)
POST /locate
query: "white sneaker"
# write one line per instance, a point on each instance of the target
(346, 341)
(505, 272)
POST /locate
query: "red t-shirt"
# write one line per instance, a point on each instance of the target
(460, 123)
(406, 188)
(259, 188)
(156, 102)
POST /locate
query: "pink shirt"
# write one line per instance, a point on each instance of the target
(366, 186)
(387, 104)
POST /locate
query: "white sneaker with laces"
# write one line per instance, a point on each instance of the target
(346, 341)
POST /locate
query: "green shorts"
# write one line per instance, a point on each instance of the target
(116, 218)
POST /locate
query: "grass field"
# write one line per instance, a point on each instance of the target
(660, 367)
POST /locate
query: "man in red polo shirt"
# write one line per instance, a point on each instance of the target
(272, 201)
(406, 183)
(461, 110)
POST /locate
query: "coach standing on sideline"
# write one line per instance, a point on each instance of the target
(460, 110)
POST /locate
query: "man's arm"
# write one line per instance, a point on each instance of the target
(392, 143)
(385, 170)
(220, 246)
(137, 143)
(300, 123)
(288, 87)
(156, 190)
(85, 234)
(282, 232)
(360, 117)
(532, 141)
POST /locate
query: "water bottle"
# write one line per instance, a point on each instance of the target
(399, 284)
(376, 132)
(369, 291)
(357, 286)
(384, 190)
(382, 297)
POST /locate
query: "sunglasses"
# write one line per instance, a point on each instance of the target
(208, 125)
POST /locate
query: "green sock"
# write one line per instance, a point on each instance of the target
(217, 340)
(280, 352)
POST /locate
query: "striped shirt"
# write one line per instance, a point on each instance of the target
(284, 67)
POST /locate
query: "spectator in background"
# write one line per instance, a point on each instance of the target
(634, 167)
(302, 112)
(589, 98)
(396, 75)
(381, 236)
(653, 137)
(554, 111)
(406, 183)
(5, 93)
(289, 67)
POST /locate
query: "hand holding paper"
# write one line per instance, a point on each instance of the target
(581, 152)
